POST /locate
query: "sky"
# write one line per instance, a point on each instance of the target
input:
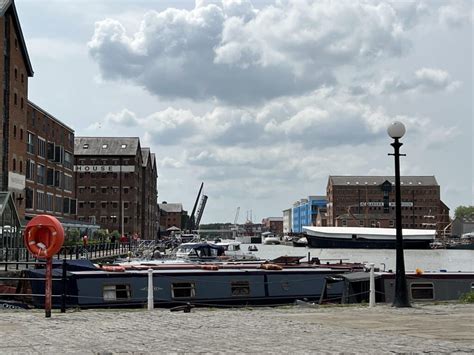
(263, 100)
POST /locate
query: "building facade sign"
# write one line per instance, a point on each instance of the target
(381, 204)
(16, 181)
(104, 168)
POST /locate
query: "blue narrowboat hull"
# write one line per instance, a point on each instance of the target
(91, 289)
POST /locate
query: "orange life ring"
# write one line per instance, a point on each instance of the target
(209, 267)
(116, 268)
(44, 236)
(271, 267)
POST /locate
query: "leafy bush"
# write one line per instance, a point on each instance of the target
(72, 236)
(467, 297)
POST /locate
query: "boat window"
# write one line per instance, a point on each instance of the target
(236, 247)
(422, 291)
(183, 290)
(240, 288)
(116, 292)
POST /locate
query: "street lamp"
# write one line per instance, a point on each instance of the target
(396, 130)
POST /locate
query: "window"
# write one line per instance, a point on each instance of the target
(92, 204)
(30, 145)
(41, 147)
(49, 202)
(116, 292)
(68, 182)
(58, 154)
(103, 189)
(85, 146)
(240, 288)
(21, 103)
(103, 204)
(73, 209)
(125, 205)
(21, 166)
(30, 170)
(361, 223)
(22, 78)
(125, 190)
(123, 146)
(57, 178)
(66, 205)
(422, 291)
(58, 204)
(68, 158)
(391, 223)
(92, 189)
(50, 177)
(114, 204)
(50, 151)
(183, 290)
(39, 200)
(14, 164)
(125, 220)
(103, 219)
(21, 134)
(14, 131)
(104, 146)
(29, 198)
(40, 174)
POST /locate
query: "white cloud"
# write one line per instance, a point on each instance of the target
(456, 13)
(422, 81)
(231, 51)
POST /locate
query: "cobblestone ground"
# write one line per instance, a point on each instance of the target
(447, 328)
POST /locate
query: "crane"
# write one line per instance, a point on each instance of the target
(236, 216)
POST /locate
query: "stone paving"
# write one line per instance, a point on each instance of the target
(446, 328)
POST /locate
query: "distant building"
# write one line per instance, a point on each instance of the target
(287, 221)
(113, 182)
(171, 215)
(463, 225)
(273, 224)
(305, 212)
(49, 166)
(369, 201)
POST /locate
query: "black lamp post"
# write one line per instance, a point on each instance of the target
(396, 130)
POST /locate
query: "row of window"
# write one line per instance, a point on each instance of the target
(104, 219)
(41, 201)
(48, 176)
(179, 290)
(103, 189)
(36, 122)
(15, 100)
(15, 75)
(103, 204)
(49, 150)
(103, 162)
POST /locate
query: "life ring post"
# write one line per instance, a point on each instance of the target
(48, 287)
(44, 237)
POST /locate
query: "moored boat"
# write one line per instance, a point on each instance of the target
(373, 238)
(300, 242)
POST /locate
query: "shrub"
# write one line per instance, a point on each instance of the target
(467, 297)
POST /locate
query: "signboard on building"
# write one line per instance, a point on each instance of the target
(104, 168)
(16, 181)
(380, 204)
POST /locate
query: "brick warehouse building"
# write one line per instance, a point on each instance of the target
(369, 201)
(48, 166)
(15, 69)
(149, 194)
(111, 182)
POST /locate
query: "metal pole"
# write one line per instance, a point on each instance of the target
(401, 293)
(48, 287)
(64, 282)
(372, 286)
(150, 289)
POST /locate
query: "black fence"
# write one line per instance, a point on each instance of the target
(19, 255)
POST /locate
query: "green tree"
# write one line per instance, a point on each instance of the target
(72, 236)
(101, 235)
(463, 211)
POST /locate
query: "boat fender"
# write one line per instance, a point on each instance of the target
(419, 271)
(114, 268)
(271, 267)
(210, 267)
(44, 236)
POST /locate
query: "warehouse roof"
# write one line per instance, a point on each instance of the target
(106, 145)
(378, 180)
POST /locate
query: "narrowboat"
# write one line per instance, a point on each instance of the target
(199, 284)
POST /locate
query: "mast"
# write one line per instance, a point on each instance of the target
(191, 225)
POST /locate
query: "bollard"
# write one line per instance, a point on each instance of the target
(150, 289)
(372, 286)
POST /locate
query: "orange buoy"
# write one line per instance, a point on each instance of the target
(44, 236)
(115, 268)
(209, 267)
(271, 267)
